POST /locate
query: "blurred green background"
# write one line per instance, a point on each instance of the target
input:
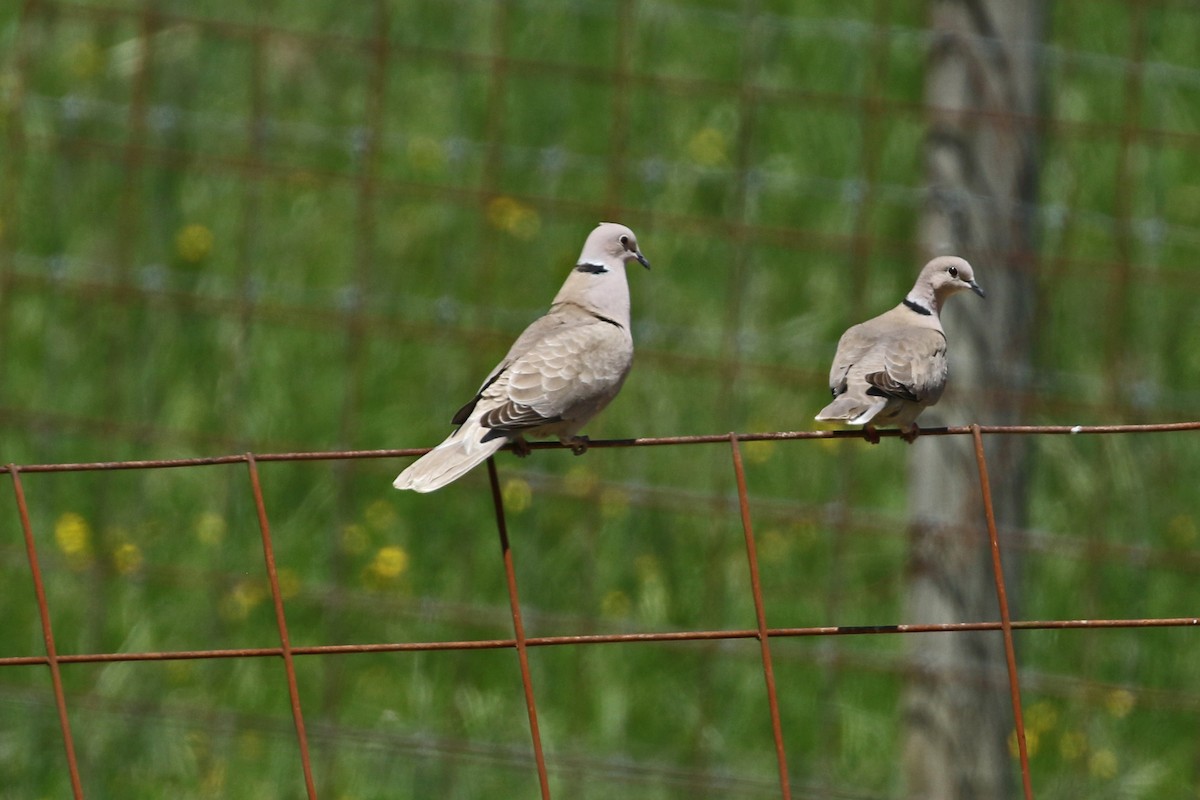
(312, 225)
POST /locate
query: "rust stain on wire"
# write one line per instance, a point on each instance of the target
(51, 659)
(1010, 655)
(519, 642)
(285, 648)
(760, 615)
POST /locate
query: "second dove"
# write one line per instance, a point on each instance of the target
(889, 369)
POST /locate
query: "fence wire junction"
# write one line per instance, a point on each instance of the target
(521, 643)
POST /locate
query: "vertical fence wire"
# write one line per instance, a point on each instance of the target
(760, 615)
(285, 643)
(1010, 655)
(39, 587)
(510, 576)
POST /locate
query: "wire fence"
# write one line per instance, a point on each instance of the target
(309, 184)
(763, 633)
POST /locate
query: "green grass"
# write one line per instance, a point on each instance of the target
(176, 285)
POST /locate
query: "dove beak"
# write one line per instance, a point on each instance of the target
(641, 259)
(977, 289)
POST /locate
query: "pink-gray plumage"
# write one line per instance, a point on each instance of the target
(562, 370)
(892, 367)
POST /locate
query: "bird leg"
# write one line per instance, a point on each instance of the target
(910, 433)
(578, 444)
(520, 447)
(870, 434)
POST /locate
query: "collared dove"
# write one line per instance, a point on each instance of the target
(562, 370)
(890, 368)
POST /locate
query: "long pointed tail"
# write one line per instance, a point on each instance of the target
(450, 460)
(851, 410)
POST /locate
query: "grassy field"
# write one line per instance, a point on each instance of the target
(260, 228)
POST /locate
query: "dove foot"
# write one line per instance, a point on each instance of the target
(870, 434)
(578, 444)
(911, 433)
(520, 447)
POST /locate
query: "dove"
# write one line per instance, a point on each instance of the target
(562, 370)
(890, 368)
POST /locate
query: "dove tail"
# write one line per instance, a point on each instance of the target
(450, 460)
(850, 410)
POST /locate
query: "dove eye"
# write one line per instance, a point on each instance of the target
(624, 241)
(953, 272)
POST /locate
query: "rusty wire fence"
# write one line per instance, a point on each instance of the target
(301, 226)
(520, 643)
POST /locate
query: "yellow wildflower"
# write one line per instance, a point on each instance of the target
(517, 495)
(759, 452)
(514, 217)
(772, 547)
(647, 567)
(1072, 745)
(72, 533)
(829, 445)
(389, 563)
(425, 153)
(580, 481)
(381, 515)
(1103, 764)
(240, 600)
(84, 59)
(1119, 702)
(1032, 738)
(74, 538)
(615, 604)
(210, 528)
(614, 503)
(127, 558)
(1041, 716)
(708, 147)
(354, 538)
(213, 782)
(193, 243)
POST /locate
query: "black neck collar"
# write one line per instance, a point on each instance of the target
(917, 307)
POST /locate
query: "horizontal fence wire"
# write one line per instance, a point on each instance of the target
(521, 643)
(649, 441)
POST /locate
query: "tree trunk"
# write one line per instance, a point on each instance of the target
(982, 94)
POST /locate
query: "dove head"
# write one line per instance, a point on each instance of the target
(611, 245)
(597, 283)
(942, 277)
